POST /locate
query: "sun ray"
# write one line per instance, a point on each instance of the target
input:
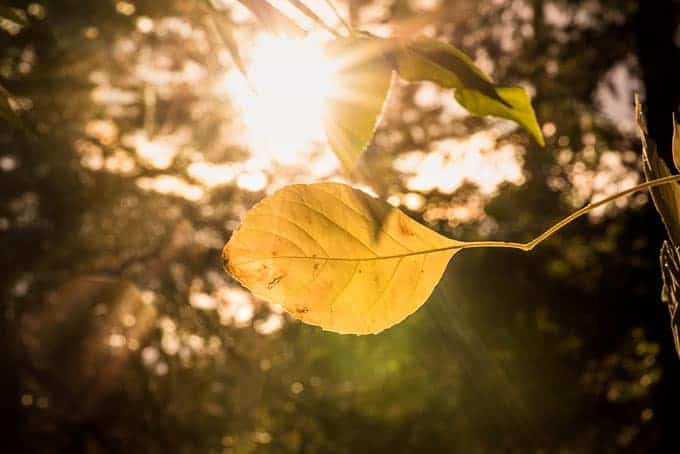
(292, 80)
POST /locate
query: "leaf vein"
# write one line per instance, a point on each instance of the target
(254, 229)
(337, 296)
(366, 218)
(340, 227)
(383, 290)
(294, 224)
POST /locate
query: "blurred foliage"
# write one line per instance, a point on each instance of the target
(121, 333)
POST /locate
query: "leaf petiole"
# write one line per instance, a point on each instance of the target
(528, 246)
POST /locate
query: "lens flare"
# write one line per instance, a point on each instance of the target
(284, 100)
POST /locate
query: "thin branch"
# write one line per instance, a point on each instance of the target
(586, 209)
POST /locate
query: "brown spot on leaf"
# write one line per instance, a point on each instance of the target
(404, 228)
(271, 284)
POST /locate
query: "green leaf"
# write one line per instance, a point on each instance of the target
(11, 15)
(427, 59)
(312, 249)
(362, 82)
(517, 107)
(667, 197)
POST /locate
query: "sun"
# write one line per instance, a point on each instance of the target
(284, 100)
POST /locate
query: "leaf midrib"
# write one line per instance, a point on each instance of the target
(356, 259)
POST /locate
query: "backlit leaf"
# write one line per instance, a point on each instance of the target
(427, 59)
(312, 249)
(362, 81)
(666, 197)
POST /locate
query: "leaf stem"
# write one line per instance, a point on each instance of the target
(528, 246)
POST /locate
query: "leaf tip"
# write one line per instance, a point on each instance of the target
(540, 140)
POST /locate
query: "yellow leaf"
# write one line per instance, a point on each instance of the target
(313, 250)
(362, 81)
